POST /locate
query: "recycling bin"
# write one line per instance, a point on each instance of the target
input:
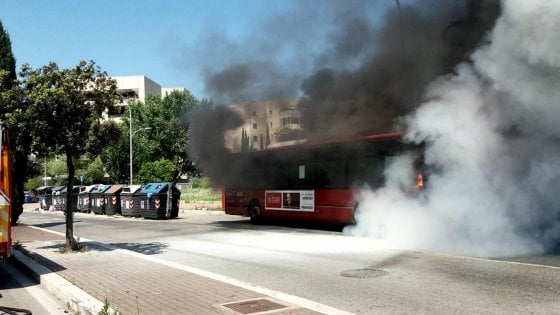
(130, 206)
(159, 201)
(97, 197)
(62, 198)
(57, 200)
(113, 200)
(84, 199)
(45, 196)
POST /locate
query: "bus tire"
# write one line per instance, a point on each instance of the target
(254, 212)
(354, 210)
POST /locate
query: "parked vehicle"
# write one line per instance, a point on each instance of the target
(30, 197)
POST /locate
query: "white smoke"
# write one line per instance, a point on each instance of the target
(492, 133)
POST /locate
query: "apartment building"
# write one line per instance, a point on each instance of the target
(136, 88)
(265, 124)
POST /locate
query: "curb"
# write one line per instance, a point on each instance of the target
(70, 295)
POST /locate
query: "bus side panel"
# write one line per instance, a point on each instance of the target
(334, 205)
(331, 206)
(236, 202)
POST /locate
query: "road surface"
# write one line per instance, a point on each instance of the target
(357, 275)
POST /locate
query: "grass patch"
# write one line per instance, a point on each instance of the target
(194, 195)
(17, 245)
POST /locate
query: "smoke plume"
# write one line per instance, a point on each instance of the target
(477, 82)
(492, 137)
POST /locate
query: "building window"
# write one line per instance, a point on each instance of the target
(254, 113)
(254, 125)
(255, 139)
(290, 119)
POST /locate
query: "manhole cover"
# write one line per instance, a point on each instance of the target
(363, 273)
(254, 306)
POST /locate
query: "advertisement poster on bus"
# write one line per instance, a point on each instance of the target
(290, 200)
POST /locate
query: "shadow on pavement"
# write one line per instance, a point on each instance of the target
(267, 224)
(152, 248)
(143, 248)
(51, 224)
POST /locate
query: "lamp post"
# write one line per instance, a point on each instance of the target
(131, 134)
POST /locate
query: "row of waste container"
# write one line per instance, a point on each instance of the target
(150, 201)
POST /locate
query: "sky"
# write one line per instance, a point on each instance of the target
(173, 42)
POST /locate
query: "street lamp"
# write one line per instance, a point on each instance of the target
(131, 134)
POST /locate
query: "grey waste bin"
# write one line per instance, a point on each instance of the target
(130, 205)
(113, 200)
(45, 196)
(84, 199)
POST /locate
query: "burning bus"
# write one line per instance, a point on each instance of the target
(314, 180)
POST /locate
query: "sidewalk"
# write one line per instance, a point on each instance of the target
(133, 283)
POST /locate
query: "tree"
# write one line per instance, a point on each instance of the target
(166, 139)
(159, 171)
(66, 106)
(13, 112)
(7, 59)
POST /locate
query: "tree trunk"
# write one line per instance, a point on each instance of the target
(71, 243)
(18, 180)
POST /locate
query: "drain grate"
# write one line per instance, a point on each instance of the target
(363, 273)
(254, 306)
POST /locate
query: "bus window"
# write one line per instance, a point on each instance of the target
(331, 174)
(301, 175)
(366, 170)
(277, 174)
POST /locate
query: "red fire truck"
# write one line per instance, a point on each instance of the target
(5, 193)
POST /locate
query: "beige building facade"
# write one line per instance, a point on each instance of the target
(136, 88)
(265, 125)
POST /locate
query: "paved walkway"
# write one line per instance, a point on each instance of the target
(133, 283)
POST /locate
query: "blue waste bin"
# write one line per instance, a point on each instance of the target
(98, 198)
(159, 201)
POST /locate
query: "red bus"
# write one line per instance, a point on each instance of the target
(312, 181)
(5, 193)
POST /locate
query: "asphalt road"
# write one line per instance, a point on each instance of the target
(358, 275)
(20, 292)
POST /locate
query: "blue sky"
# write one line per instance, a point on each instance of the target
(176, 42)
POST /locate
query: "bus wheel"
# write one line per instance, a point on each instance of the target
(354, 210)
(254, 212)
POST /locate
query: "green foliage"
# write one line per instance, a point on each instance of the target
(7, 59)
(66, 105)
(156, 172)
(244, 141)
(166, 139)
(94, 172)
(106, 310)
(57, 166)
(201, 182)
(33, 183)
(116, 159)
